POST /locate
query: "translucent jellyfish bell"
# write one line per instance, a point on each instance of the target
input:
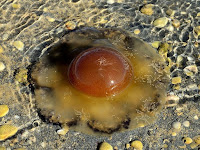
(100, 81)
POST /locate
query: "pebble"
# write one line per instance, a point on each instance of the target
(147, 9)
(128, 146)
(164, 48)
(197, 139)
(43, 144)
(174, 133)
(16, 6)
(176, 125)
(2, 66)
(197, 30)
(5, 37)
(2, 148)
(70, 25)
(196, 44)
(160, 22)
(45, 9)
(186, 123)
(196, 117)
(190, 70)
(105, 146)
(63, 131)
(198, 14)
(172, 100)
(21, 76)
(137, 145)
(170, 28)
(176, 80)
(179, 59)
(50, 19)
(7, 131)
(156, 44)
(1, 49)
(176, 23)
(165, 146)
(136, 31)
(19, 45)
(3, 110)
(110, 1)
(196, 142)
(187, 140)
(193, 145)
(170, 12)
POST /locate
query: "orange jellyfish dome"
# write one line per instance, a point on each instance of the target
(100, 72)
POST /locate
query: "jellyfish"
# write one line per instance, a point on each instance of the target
(100, 81)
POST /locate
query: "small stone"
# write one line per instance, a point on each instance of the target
(183, 12)
(187, 140)
(192, 86)
(70, 25)
(21, 76)
(179, 59)
(147, 9)
(43, 144)
(170, 28)
(197, 30)
(156, 44)
(182, 147)
(5, 37)
(110, 1)
(196, 117)
(196, 44)
(128, 146)
(164, 48)
(7, 131)
(136, 31)
(45, 9)
(176, 23)
(137, 145)
(198, 14)
(170, 12)
(2, 148)
(2, 66)
(197, 139)
(193, 145)
(176, 87)
(105, 146)
(3, 110)
(176, 125)
(165, 146)
(50, 19)
(1, 49)
(16, 6)
(63, 131)
(172, 100)
(186, 123)
(160, 22)
(176, 80)
(190, 70)
(19, 45)
(174, 133)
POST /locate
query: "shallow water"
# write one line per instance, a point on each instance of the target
(39, 24)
